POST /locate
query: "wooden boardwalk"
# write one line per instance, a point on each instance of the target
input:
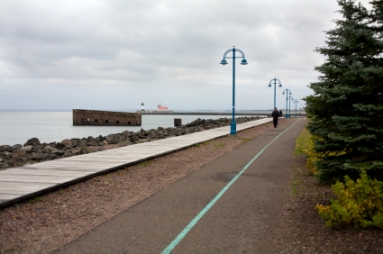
(21, 183)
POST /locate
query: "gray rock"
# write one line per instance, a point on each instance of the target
(5, 148)
(91, 141)
(82, 143)
(33, 142)
(49, 149)
(59, 152)
(38, 156)
(67, 143)
(6, 154)
(51, 156)
(111, 139)
(19, 158)
(17, 146)
(133, 139)
(179, 132)
(100, 139)
(26, 148)
(4, 165)
(76, 151)
(60, 145)
(68, 153)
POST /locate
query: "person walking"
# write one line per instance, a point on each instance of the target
(275, 115)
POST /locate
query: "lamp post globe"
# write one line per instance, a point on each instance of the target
(233, 124)
(276, 81)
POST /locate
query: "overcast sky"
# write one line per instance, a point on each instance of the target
(114, 55)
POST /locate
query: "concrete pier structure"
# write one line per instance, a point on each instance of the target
(105, 118)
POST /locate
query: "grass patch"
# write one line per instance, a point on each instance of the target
(36, 199)
(219, 144)
(295, 187)
(245, 140)
(301, 145)
(145, 163)
(302, 142)
(202, 144)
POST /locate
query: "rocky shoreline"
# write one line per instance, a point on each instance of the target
(33, 151)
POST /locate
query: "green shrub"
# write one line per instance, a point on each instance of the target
(359, 203)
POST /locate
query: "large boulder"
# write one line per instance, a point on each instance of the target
(32, 142)
(133, 139)
(67, 143)
(91, 141)
(82, 143)
(27, 149)
(17, 147)
(19, 158)
(49, 149)
(59, 152)
(38, 156)
(76, 151)
(6, 148)
(60, 145)
(194, 123)
(112, 139)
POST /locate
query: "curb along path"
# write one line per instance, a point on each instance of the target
(231, 205)
(21, 183)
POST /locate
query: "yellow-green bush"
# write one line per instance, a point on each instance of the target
(311, 156)
(358, 203)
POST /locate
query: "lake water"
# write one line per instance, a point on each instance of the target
(18, 127)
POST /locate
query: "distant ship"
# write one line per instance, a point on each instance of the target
(161, 108)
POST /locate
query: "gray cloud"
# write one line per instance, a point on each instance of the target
(117, 54)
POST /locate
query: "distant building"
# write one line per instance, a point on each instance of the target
(105, 118)
(161, 108)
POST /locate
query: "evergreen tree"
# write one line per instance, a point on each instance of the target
(346, 110)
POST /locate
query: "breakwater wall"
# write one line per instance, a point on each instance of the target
(33, 151)
(226, 113)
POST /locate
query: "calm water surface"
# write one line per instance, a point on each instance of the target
(18, 127)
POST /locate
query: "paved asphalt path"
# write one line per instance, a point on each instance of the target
(243, 220)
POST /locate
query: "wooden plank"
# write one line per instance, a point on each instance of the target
(37, 172)
(23, 187)
(37, 179)
(6, 196)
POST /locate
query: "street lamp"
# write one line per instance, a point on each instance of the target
(296, 103)
(233, 125)
(288, 92)
(290, 99)
(275, 88)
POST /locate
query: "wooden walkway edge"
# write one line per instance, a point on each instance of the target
(20, 183)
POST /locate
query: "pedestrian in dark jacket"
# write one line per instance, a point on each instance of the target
(280, 113)
(275, 115)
